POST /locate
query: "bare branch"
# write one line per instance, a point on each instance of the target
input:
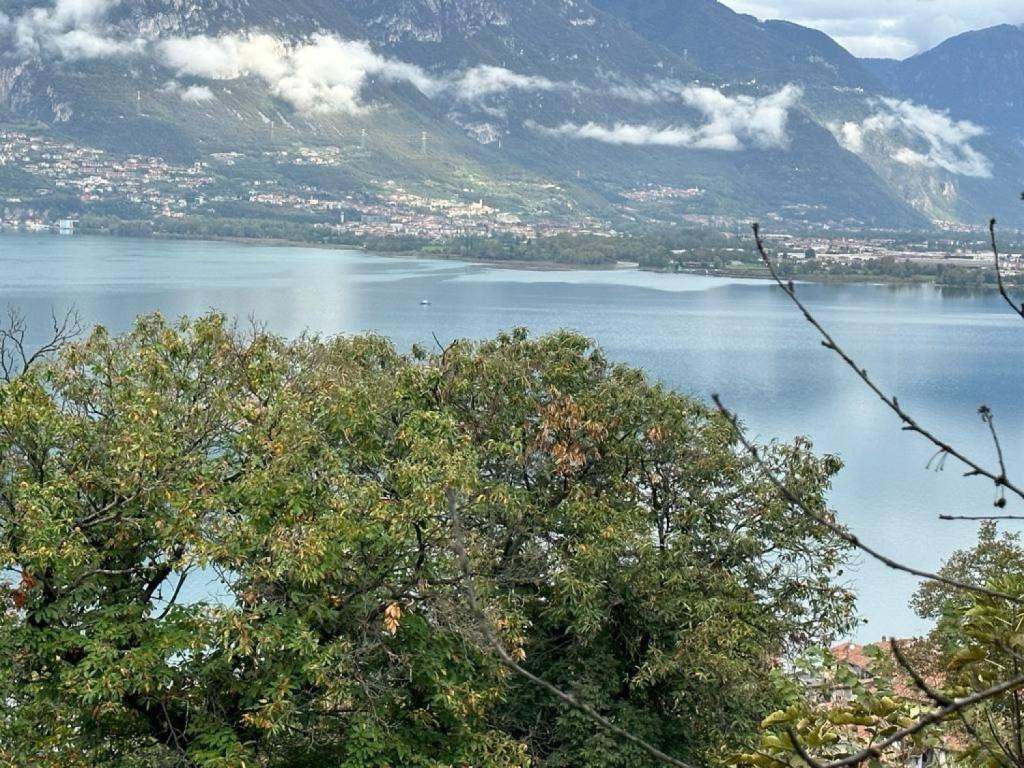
(989, 418)
(1018, 309)
(947, 708)
(978, 518)
(794, 738)
(909, 423)
(825, 520)
(922, 684)
(955, 707)
(16, 357)
(459, 546)
(174, 597)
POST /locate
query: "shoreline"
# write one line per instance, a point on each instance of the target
(527, 265)
(279, 242)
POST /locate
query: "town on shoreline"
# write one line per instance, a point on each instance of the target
(69, 188)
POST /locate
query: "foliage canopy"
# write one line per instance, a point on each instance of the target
(225, 549)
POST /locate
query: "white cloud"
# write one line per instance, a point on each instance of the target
(479, 82)
(77, 44)
(731, 123)
(850, 136)
(922, 137)
(878, 46)
(328, 74)
(322, 74)
(197, 94)
(634, 135)
(70, 29)
(888, 28)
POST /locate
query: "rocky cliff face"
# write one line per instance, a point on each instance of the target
(27, 89)
(429, 21)
(159, 18)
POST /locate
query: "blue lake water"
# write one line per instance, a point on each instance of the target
(943, 354)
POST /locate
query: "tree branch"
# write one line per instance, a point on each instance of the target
(917, 677)
(1018, 309)
(909, 423)
(459, 546)
(978, 518)
(825, 520)
(956, 706)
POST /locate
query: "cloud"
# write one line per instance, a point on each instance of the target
(924, 138)
(70, 29)
(328, 74)
(626, 134)
(887, 28)
(319, 75)
(850, 136)
(197, 94)
(479, 82)
(731, 123)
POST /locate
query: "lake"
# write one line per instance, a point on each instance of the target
(942, 354)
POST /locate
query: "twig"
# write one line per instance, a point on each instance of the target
(999, 272)
(977, 518)
(909, 423)
(174, 597)
(943, 700)
(955, 707)
(989, 418)
(1003, 747)
(922, 684)
(839, 530)
(16, 358)
(794, 739)
(459, 546)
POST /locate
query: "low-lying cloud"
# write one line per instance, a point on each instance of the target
(731, 123)
(197, 94)
(71, 29)
(328, 74)
(320, 75)
(480, 82)
(922, 137)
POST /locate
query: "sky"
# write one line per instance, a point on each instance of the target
(888, 28)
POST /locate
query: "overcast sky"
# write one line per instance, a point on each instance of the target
(888, 28)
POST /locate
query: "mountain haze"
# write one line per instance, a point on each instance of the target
(543, 107)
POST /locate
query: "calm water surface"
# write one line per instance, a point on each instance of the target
(943, 355)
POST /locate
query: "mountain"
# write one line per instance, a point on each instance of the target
(542, 107)
(976, 77)
(737, 46)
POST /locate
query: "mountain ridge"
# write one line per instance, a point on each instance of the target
(592, 98)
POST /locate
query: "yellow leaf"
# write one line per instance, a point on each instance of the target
(392, 617)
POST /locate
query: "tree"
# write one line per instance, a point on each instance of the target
(972, 690)
(225, 549)
(974, 648)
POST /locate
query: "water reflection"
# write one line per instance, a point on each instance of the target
(942, 351)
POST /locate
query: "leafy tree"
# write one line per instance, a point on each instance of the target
(995, 554)
(966, 698)
(223, 549)
(975, 645)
